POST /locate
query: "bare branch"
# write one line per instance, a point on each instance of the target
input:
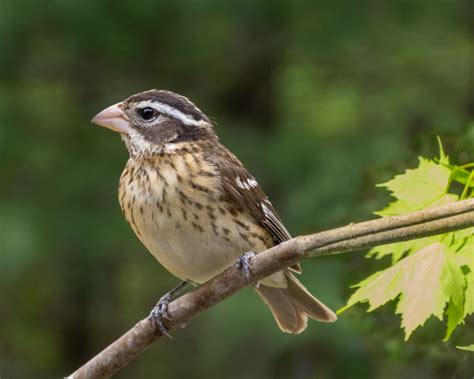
(353, 237)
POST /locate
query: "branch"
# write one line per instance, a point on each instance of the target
(454, 216)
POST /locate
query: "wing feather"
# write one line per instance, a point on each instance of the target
(240, 189)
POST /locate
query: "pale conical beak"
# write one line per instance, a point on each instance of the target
(113, 118)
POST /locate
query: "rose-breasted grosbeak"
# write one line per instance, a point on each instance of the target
(194, 205)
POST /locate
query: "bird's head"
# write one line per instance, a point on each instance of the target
(150, 120)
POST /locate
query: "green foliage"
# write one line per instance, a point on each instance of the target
(468, 348)
(426, 280)
(436, 276)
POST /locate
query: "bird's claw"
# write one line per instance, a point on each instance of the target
(160, 312)
(243, 263)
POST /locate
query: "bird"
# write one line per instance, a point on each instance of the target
(195, 207)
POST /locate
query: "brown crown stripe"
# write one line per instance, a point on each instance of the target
(174, 100)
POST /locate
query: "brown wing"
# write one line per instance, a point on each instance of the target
(241, 188)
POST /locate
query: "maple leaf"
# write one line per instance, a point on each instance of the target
(425, 281)
(399, 249)
(420, 188)
(423, 187)
(436, 277)
(454, 282)
(463, 245)
(469, 304)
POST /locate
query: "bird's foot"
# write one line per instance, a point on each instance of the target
(160, 312)
(243, 264)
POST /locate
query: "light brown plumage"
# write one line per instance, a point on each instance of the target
(194, 205)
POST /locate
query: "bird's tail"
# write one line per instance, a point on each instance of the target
(292, 306)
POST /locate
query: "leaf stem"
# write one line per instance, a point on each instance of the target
(468, 184)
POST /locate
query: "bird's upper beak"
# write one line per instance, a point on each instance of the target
(113, 118)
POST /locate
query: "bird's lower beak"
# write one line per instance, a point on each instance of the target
(113, 118)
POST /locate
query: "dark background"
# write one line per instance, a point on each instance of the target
(321, 100)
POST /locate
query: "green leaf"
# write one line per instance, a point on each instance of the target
(454, 282)
(423, 187)
(419, 188)
(426, 281)
(398, 250)
(468, 348)
(469, 304)
(461, 175)
(463, 245)
(443, 158)
(432, 275)
(462, 240)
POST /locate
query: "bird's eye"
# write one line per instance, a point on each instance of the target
(147, 113)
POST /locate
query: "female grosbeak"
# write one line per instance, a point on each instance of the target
(194, 205)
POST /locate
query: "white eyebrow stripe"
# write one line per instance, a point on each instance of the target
(173, 112)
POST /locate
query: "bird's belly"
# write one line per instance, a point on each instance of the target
(189, 254)
(185, 227)
(190, 240)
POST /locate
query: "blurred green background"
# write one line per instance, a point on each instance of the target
(321, 100)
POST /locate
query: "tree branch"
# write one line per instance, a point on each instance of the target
(353, 237)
